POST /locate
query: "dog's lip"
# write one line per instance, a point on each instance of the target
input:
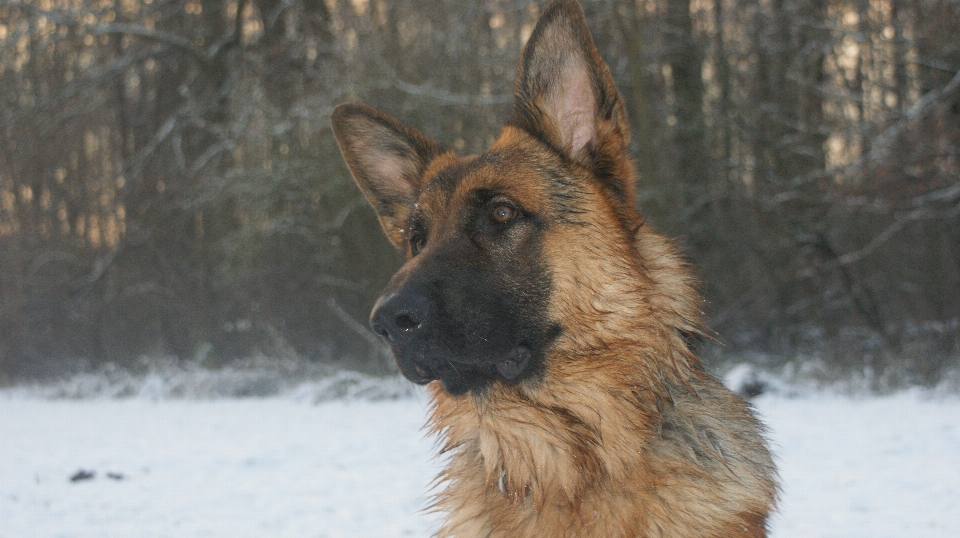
(511, 367)
(508, 368)
(422, 373)
(416, 373)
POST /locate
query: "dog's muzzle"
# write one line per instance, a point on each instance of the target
(426, 349)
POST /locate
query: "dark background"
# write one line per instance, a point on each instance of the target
(170, 186)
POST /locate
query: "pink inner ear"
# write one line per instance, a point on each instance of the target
(391, 174)
(573, 106)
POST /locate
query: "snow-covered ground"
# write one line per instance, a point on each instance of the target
(284, 466)
(870, 467)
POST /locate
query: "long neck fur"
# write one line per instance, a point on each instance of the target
(613, 424)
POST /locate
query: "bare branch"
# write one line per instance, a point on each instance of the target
(115, 28)
(166, 38)
(922, 213)
(362, 331)
(890, 137)
(431, 92)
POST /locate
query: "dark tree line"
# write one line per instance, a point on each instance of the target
(169, 184)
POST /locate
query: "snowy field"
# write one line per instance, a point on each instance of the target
(870, 467)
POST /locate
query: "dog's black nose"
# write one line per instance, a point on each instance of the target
(400, 317)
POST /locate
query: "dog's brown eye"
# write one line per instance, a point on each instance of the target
(417, 243)
(503, 214)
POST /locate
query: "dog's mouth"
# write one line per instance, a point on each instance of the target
(458, 377)
(423, 374)
(513, 366)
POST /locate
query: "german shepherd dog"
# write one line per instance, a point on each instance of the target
(550, 322)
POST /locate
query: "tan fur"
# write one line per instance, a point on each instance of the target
(622, 433)
(625, 435)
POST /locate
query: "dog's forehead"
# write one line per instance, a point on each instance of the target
(455, 182)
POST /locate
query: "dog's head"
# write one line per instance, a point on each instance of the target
(509, 250)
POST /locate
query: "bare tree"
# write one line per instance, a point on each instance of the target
(169, 183)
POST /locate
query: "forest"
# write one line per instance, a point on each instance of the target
(170, 185)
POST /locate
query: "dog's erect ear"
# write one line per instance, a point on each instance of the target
(387, 160)
(566, 97)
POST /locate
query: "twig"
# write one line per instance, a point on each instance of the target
(884, 142)
(361, 330)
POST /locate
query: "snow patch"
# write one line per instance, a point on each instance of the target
(254, 378)
(878, 467)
